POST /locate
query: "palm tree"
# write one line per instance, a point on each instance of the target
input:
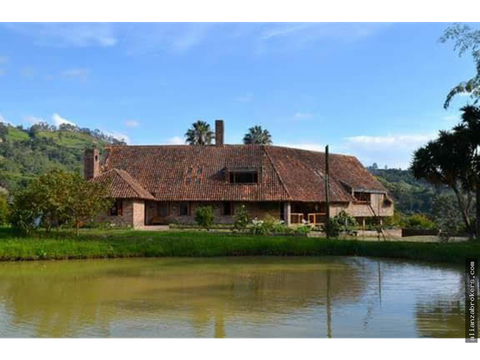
(199, 134)
(256, 135)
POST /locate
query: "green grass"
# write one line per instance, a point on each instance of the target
(15, 134)
(69, 139)
(128, 243)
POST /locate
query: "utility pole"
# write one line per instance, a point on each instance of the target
(327, 190)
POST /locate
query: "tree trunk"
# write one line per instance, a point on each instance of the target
(477, 210)
(464, 211)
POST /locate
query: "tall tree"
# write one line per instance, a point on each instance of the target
(465, 40)
(469, 135)
(443, 162)
(454, 160)
(199, 134)
(256, 135)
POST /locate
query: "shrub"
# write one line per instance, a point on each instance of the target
(419, 221)
(241, 219)
(342, 222)
(303, 229)
(204, 216)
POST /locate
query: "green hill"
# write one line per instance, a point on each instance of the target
(411, 195)
(26, 153)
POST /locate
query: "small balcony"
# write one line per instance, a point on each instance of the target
(312, 218)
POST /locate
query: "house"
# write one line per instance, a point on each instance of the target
(167, 183)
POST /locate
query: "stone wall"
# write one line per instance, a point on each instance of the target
(254, 209)
(133, 213)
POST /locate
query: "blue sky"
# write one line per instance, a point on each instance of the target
(373, 90)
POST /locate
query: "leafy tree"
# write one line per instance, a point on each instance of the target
(444, 162)
(465, 40)
(256, 135)
(25, 213)
(204, 216)
(199, 134)
(454, 160)
(418, 221)
(4, 209)
(447, 216)
(87, 199)
(468, 133)
(3, 131)
(58, 197)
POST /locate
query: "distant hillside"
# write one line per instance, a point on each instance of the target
(410, 195)
(25, 153)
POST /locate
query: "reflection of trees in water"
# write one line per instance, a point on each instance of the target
(66, 298)
(442, 316)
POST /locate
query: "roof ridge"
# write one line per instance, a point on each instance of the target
(276, 171)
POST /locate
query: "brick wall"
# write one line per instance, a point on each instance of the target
(364, 210)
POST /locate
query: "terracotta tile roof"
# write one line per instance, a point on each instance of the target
(122, 185)
(199, 173)
(303, 174)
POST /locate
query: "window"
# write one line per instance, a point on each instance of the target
(362, 197)
(117, 208)
(244, 177)
(227, 208)
(184, 209)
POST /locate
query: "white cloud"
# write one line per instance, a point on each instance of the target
(284, 30)
(315, 31)
(245, 98)
(176, 140)
(144, 38)
(194, 34)
(67, 34)
(132, 123)
(3, 60)
(119, 136)
(33, 119)
(58, 120)
(76, 73)
(394, 150)
(3, 120)
(303, 115)
(305, 146)
(451, 118)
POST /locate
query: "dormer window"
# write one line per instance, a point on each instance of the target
(244, 176)
(362, 197)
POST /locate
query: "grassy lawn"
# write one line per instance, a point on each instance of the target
(129, 243)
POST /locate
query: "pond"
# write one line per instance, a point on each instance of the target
(232, 297)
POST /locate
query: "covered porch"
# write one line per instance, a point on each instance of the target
(300, 212)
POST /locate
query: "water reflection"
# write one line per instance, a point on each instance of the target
(235, 297)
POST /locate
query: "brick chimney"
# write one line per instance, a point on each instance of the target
(91, 163)
(219, 132)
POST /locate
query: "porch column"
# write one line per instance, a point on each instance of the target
(287, 212)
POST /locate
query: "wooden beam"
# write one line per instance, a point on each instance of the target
(327, 187)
